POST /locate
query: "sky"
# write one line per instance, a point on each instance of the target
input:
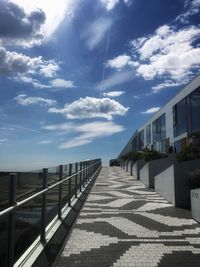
(79, 77)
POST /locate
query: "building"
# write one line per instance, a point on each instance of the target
(173, 126)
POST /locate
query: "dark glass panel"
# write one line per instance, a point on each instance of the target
(180, 124)
(3, 240)
(27, 226)
(141, 140)
(28, 183)
(52, 204)
(148, 134)
(195, 110)
(4, 190)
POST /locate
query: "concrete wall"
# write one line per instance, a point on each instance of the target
(182, 191)
(153, 168)
(137, 167)
(195, 204)
(164, 184)
(144, 174)
(177, 177)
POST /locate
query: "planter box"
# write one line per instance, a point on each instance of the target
(153, 168)
(172, 183)
(195, 204)
(137, 167)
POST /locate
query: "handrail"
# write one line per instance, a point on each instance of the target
(88, 170)
(24, 201)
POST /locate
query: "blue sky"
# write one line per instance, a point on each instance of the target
(79, 77)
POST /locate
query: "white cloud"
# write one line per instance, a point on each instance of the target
(168, 53)
(55, 12)
(24, 100)
(120, 62)
(117, 79)
(191, 8)
(13, 63)
(95, 33)
(45, 142)
(87, 132)
(151, 110)
(136, 97)
(55, 83)
(61, 83)
(110, 4)
(91, 107)
(50, 69)
(114, 94)
(167, 84)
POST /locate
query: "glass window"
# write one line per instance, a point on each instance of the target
(134, 144)
(159, 129)
(148, 134)
(141, 140)
(179, 114)
(195, 110)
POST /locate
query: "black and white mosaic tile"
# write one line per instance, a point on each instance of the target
(123, 223)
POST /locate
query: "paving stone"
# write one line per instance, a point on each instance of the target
(124, 223)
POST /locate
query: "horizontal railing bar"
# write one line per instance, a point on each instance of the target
(24, 201)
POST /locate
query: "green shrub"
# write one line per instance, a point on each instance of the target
(133, 156)
(191, 152)
(149, 155)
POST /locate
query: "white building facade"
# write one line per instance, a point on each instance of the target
(173, 126)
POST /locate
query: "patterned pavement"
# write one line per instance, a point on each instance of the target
(123, 223)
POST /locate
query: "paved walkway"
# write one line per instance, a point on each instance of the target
(123, 223)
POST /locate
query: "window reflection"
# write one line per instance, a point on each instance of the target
(195, 110)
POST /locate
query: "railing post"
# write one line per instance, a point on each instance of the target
(60, 192)
(76, 170)
(12, 219)
(81, 174)
(44, 206)
(84, 174)
(69, 185)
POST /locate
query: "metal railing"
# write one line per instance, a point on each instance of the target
(30, 217)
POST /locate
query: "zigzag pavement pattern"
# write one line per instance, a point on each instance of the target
(123, 223)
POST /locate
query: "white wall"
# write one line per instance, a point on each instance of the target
(195, 204)
(164, 184)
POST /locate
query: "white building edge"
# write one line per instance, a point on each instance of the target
(173, 125)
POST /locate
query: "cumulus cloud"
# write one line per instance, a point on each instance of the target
(24, 100)
(17, 63)
(120, 62)
(91, 107)
(16, 25)
(87, 132)
(113, 94)
(55, 13)
(151, 110)
(169, 52)
(95, 33)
